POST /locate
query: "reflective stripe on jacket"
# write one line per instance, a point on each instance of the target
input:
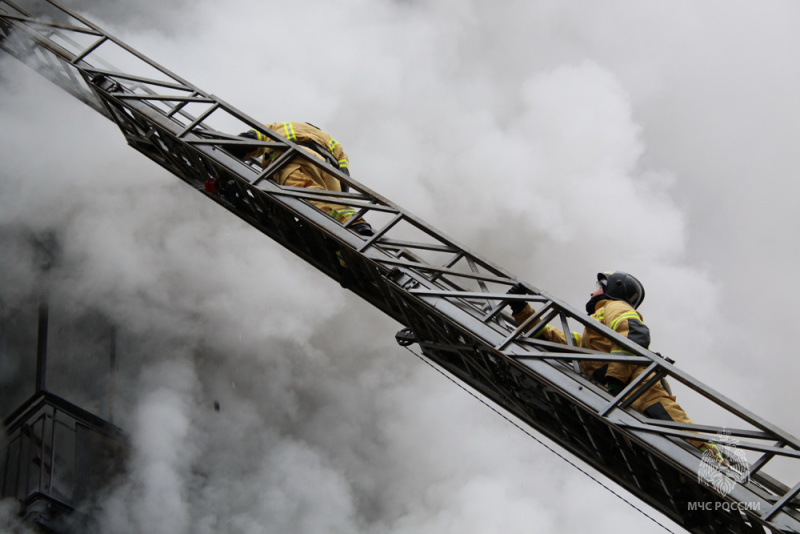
(304, 134)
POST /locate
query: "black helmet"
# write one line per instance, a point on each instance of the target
(621, 286)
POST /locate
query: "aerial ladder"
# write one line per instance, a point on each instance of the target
(449, 299)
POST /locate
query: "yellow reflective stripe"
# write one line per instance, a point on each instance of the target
(620, 351)
(577, 337)
(290, 135)
(601, 313)
(260, 136)
(339, 215)
(628, 315)
(343, 163)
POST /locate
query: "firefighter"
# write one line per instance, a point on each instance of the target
(300, 173)
(613, 303)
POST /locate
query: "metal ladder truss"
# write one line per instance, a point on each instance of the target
(449, 299)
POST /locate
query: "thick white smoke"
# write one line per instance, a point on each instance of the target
(556, 140)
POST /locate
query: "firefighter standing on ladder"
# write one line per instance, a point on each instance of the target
(614, 303)
(301, 173)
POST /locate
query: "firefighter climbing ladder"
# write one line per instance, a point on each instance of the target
(449, 299)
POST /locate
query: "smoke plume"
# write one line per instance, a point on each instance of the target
(555, 139)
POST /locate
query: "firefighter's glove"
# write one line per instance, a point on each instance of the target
(517, 305)
(362, 227)
(614, 385)
(240, 151)
(714, 451)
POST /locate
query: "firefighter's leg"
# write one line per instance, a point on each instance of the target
(308, 177)
(656, 403)
(299, 177)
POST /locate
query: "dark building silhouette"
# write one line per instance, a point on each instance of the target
(60, 449)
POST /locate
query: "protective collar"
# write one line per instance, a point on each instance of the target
(591, 306)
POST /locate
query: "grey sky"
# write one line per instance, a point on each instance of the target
(557, 139)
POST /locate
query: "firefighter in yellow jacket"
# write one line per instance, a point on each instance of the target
(301, 173)
(614, 303)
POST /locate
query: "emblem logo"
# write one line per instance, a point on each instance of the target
(723, 475)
